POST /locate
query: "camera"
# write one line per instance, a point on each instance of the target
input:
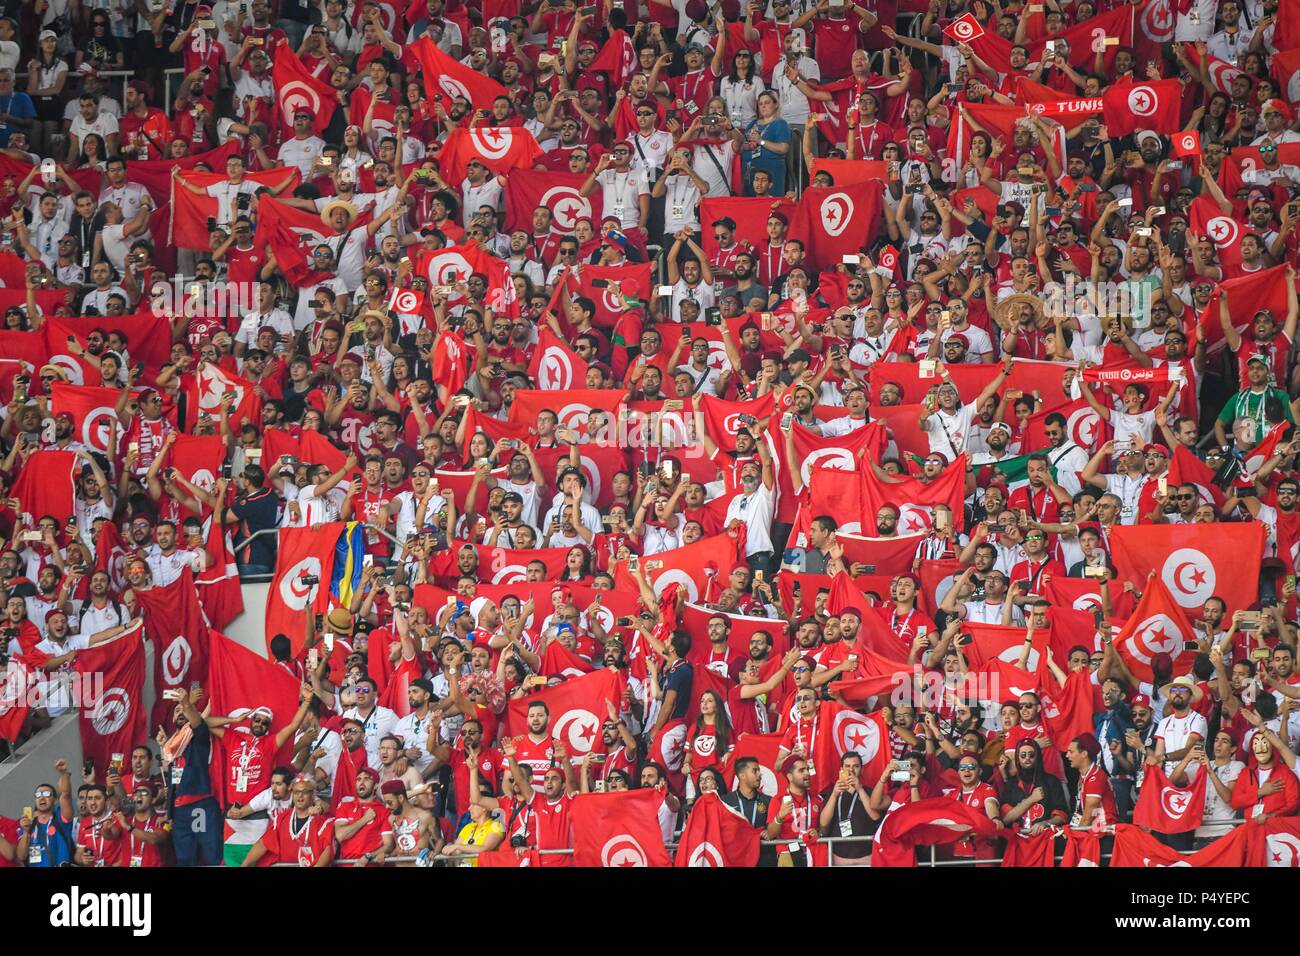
(310, 580)
(518, 841)
(623, 622)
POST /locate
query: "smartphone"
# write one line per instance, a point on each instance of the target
(1162, 485)
(1191, 646)
(665, 290)
(928, 368)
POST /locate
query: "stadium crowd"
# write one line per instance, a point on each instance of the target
(787, 434)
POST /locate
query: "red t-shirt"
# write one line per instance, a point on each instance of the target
(490, 765)
(371, 836)
(291, 840)
(550, 827)
(90, 835)
(10, 831)
(536, 757)
(249, 762)
(138, 852)
(1095, 783)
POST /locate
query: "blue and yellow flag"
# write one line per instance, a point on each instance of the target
(348, 552)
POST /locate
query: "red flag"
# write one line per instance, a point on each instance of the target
(964, 29)
(834, 221)
(598, 284)
(1167, 808)
(1082, 848)
(453, 264)
(617, 58)
(1187, 144)
(1136, 847)
(715, 835)
(750, 214)
(695, 618)
(572, 406)
(448, 78)
(691, 566)
(238, 682)
(114, 722)
(45, 486)
(310, 447)
(763, 748)
(1187, 565)
(722, 417)
(499, 148)
(1247, 295)
(1261, 453)
(296, 88)
(1208, 219)
(558, 661)
(526, 189)
(406, 301)
(1082, 424)
(93, 411)
(1151, 104)
(1158, 626)
(994, 642)
(555, 366)
(914, 499)
(1286, 35)
(877, 673)
(173, 622)
(110, 556)
(577, 709)
(1186, 469)
(885, 555)
(618, 829)
(1021, 850)
(220, 594)
(211, 382)
(148, 338)
(191, 212)
(935, 821)
(17, 680)
(1067, 710)
(197, 458)
(450, 365)
(302, 553)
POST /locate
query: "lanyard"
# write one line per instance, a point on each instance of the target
(894, 624)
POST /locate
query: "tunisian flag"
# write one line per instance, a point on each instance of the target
(446, 78)
(114, 721)
(594, 282)
(303, 552)
(1167, 808)
(715, 836)
(526, 189)
(206, 387)
(555, 366)
(1224, 230)
(618, 829)
(45, 486)
(572, 406)
(1246, 294)
(197, 458)
(617, 58)
(94, 417)
(914, 499)
(833, 221)
(749, 213)
(309, 446)
(1158, 625)
(240, 681)
(577, 710)
(1189, 566)
(173, 622)
(932, 822)
(1152, 105)
(499, 148)
(296, 88)
(449, 367)
(455, 264)
(220, 595)
(190, 212)
(693, 566)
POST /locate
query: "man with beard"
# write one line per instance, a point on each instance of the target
(1064, 457)
(413, 729)
(247, 823)
(753, 509)
(250, 754)
(301, 835)
(166, 560)
(887, 521)
(65, 438)
(361, 824)
(745, 285)
(982, 605)
(911, 627)
(995, 443)
(946, 421)
(855, 403)
(706, 378)
(413, 829)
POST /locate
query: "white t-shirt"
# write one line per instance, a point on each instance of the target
(300, 153)
(1174, 731)
(105, 125)
(947, 432)
(620, 192)
(755, 513)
